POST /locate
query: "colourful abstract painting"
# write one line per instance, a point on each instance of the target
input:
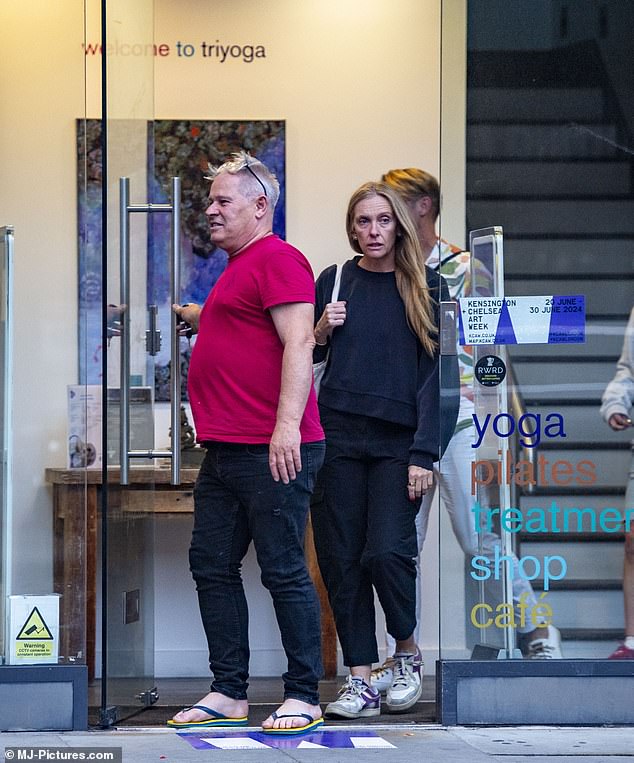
(181, 148)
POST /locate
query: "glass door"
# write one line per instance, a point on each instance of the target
(479, 455)
(141, 252)
(6, 269)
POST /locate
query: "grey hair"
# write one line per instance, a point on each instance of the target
(238, 165)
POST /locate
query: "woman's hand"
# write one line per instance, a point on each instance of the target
(334, 315)
(419, 481)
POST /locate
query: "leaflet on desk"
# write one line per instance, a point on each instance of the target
(84, 424)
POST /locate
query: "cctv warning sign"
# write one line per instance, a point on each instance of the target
(34, 627)
(35, 638)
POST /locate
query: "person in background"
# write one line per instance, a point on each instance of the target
(255, 411)
(421, 193)
(616, 404)
(379, 404)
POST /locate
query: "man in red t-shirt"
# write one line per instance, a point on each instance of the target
(254, 407)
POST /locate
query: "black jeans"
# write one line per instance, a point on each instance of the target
(236, 500)
(365, 531)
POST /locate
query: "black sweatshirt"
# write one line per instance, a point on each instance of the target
(377, 366)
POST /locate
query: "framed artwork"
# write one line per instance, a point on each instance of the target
(175, 147)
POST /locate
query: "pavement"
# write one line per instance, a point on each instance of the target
(391, 743)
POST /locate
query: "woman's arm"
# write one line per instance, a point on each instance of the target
(334, 315)
(437, 399)
(328, 315)
(619, 394)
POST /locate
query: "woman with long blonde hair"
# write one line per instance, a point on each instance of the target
(379, 403)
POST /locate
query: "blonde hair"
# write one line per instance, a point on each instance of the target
(413, 183)
(411, 280)
(254, 174)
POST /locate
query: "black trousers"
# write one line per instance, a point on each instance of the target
(365, 532)
(237, 501)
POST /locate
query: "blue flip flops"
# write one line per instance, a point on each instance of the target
(215, 720)
(312, 725)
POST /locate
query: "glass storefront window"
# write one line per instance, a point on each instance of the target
(524, 117)
(44, 515)
(538, 569)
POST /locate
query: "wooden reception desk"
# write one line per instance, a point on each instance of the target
(77, 496)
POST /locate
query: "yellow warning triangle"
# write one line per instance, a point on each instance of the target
(34, 628)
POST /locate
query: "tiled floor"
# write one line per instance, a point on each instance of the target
(265, 695)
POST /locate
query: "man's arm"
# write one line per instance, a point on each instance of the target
(294, 325)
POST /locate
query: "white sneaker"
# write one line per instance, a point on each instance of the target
(407, 684)
(356, 700)
(381, 677)
(545, 648)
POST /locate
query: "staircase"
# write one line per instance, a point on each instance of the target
(550, 159)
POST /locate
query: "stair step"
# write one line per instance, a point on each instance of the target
(542, 141)
(495, 198)
(588, 376)
(571, 467)
(592, 564)
(581, 521)
(526, 539)
(578, 585)
(568, 256)
(570, 444)
(518, 356)
(602, 294)
(578, 422)
(552, 178)
(614, 318)
(583, 236)
(592, 634)
(591, 217)
(564, 278)
(600, 339)
(565, 401)
(546, 392)
(598, 501)
(587, 492)
(586, 609)
(568, 467)
(505, 103)
(589, 648)
(575, 65)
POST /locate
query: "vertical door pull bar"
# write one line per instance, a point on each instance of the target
(125, 208)
(124, 299)
(175, 365)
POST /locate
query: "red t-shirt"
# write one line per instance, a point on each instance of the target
(236, 364)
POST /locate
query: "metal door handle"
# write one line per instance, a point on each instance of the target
(448, 328)
(153, 339)
(125, 208)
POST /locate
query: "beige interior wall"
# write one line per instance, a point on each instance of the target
(357, 83)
